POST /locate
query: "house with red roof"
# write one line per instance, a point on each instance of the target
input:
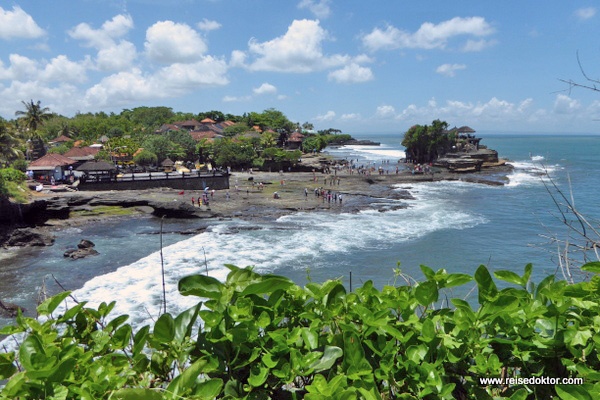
(295, 141)
(59, 140)
(82, 153)
(52, 165)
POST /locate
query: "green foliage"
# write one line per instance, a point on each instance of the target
(314, 143)
(424, 143)
(260, 336)
(145, 158)
(60, 149)
(12, 175)
(20, 165)
(237, 129)
(235, 154)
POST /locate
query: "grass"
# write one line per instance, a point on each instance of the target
(104, 211)
(18, 192)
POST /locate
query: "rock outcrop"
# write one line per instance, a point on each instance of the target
(27, 237)
(85, 248)
(10, 310)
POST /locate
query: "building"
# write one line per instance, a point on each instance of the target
(51, 166)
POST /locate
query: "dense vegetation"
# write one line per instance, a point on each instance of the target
(11, 184)
(425, 143)
(130, 130)
(260, 336)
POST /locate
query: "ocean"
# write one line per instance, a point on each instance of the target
(453, 225)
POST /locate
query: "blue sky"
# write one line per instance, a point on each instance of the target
(359, 66)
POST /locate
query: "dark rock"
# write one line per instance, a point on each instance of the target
(28, 237)
(355, 142)
(76, 254)
(174, 209)
(86, 244)
(10, 310)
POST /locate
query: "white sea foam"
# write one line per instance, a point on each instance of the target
(295, 241)
(372, 152)
(530, 172)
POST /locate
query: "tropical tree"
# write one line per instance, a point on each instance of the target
(8, 145)
(145, 158)
(34, 115)
(425, 143)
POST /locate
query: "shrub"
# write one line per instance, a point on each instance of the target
(20, 165)
(263, 337)
(12, 175)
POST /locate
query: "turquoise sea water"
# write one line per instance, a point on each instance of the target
(452, 225)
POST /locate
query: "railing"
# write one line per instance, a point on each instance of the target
(149, 176)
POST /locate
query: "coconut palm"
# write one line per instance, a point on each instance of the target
(34, 115)
(8, 145)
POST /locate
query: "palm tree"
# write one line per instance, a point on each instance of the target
(34, 115)
(8, 145)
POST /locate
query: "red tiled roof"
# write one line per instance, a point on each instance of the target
(61, 139)
(296, 137)
(257, 128)
(82, 152)
(207, 121)
(197, 135)
(191, 122)
(52, 160)
(228, 123)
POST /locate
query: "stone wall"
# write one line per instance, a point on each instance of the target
(216, 182)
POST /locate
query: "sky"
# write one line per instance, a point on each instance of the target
(358, 66)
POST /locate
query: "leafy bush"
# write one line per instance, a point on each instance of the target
(263, 337)
(12, 175)
(20, 164)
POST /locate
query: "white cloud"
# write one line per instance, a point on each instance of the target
(170, 42)
(350, 117)
(298, 50)
(449, 70)
(320, 8)
(385, 111)
(282, 97)
(428, 36)
(231, 99)
(114, 54)
(265, 88)
(585, 13)
(328, 116)
(63, 98)
(208, 25)
(563, 104)
(106, 35)
(352, 73)
(477, 45)
(59, 69)
(18, 24)
(118, 57)
(174, 80)
(238, 59)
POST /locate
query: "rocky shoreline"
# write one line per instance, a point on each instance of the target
(49, 213)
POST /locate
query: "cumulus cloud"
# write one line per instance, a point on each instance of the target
(477, 45)
(563, 104)
(428, 36)
(385, 111)
(18, 24)
(114, 53)
(449, 70)
(494, 111)
(170, 42)
(299, 50)
(232, 99)
(58, 69)
(106, 35)
(320, 8)
(265, 88)
(173, 80)
(328, 116)
(208, 25)
(352, 73)
(350, 117)
(61, 98)
(585, 13)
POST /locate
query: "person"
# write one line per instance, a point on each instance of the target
(212, 193)
(275, 195)
(227, 195)
(305, 192)
(340, 198)
(193, 201)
